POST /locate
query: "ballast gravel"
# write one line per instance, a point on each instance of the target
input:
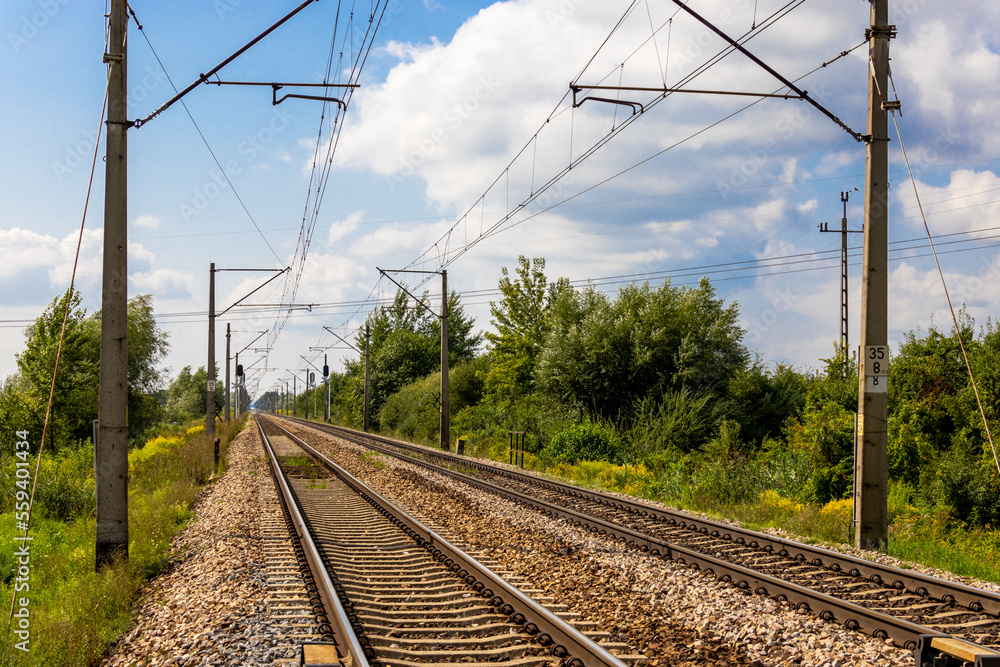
(670, 613)
(212, 606)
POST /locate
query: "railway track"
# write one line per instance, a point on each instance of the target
(388, 591)
(940, 620)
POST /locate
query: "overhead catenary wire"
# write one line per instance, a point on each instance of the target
(453, 254)
(947, 294)
(311, 215)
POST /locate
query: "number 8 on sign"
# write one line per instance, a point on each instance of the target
(877, 360)
(876, 369)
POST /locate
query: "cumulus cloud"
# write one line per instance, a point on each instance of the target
(341, 228)
(149, 221)
(164, 283)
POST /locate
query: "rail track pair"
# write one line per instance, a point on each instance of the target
(946, 624)
(389, 591)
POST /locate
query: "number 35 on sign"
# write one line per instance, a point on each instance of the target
(876, 369)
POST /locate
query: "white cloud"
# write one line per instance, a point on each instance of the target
(342, 228)
(951, 69)
(969, 202)
(165, 283)
(149, 221)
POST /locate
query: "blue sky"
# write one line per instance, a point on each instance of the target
(450, 95)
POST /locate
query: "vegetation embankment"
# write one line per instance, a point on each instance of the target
(75, 613)
(652, 391)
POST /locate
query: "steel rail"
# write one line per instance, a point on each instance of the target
(851, 616)
(975, 599)
(348, 647)
(549, 629)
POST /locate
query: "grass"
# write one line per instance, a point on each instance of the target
(75, 614)
(374, 458)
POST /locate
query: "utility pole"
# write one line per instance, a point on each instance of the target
(871, 516)
(295, 394)
(111, 462)
(445, 415)
(210, 388)
(844, 292)
(367, 342)
(228, 335)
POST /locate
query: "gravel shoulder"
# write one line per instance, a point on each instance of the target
(212, 607)
(671, 614)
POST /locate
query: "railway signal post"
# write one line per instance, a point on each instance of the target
(871, 516)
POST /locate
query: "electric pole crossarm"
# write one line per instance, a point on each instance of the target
(204, 77)
(406, 291)
(791, 86)
(343, 340)
(260, 287)
(311, 364)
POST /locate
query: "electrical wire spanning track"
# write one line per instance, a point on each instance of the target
(402, 594)
(928, 615)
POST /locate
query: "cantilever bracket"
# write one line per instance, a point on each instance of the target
(881, 31)
(275, 87)
(636, 107)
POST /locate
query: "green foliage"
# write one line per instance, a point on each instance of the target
(489, 422)
(414, 411)
(187, 396)
(65, 487)
(680, 421)
(76, 613)
(405, 346)
(147, 347)
(75, 399)
(586, 441)
(762, 400)
(521, 325)
(21, 410)
(937, 442)
(826, 435)
(605, 354)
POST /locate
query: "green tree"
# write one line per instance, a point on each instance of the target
(74, 399)
(187, 395)
(520, 322)
(20, 410)
(147, 347)
(606, 354)
(405, 346)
